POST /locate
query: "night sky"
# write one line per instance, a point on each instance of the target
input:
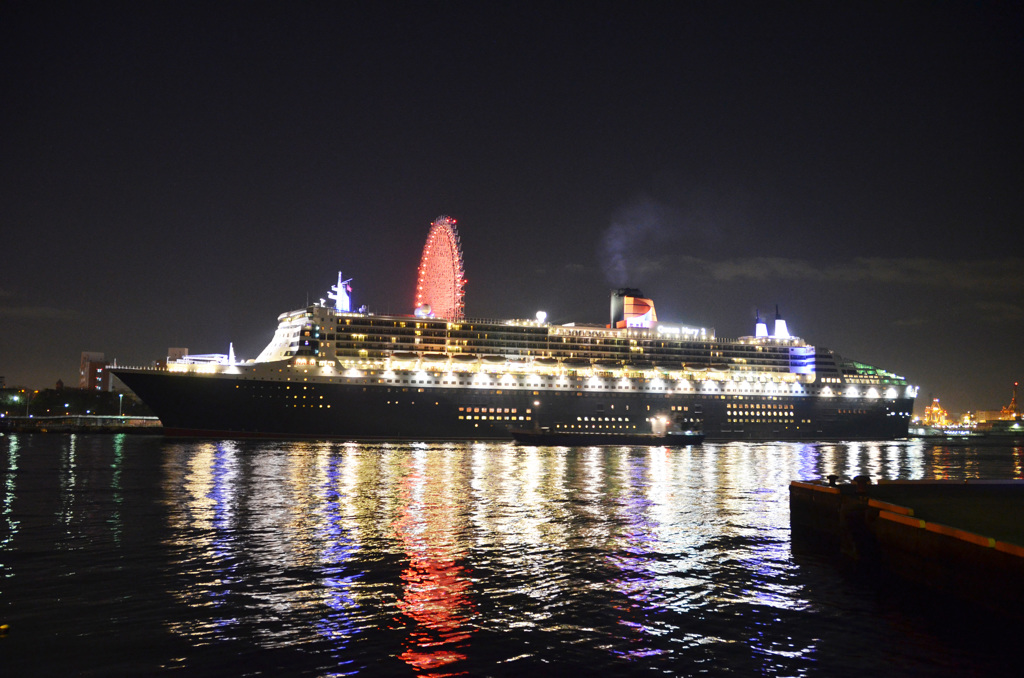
(178, 174)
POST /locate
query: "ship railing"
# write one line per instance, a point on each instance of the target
(516, 322)
(148, 368)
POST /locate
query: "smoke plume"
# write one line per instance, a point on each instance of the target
(629, 246)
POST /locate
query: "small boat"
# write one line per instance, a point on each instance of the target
(545, 436)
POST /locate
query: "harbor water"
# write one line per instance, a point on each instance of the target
(126, 555)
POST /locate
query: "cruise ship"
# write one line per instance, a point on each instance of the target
(331, 372)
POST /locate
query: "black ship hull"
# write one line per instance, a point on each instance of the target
(250, 405)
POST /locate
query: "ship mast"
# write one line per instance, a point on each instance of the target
(340, 294)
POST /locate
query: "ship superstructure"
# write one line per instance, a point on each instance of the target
(332, 372)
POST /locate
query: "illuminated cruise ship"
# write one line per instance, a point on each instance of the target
(330, 372)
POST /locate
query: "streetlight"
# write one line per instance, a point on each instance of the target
(120, 400)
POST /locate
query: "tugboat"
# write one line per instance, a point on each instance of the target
(664, 433)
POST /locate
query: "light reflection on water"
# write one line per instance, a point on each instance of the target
(434, 605)
(11, 523)
(447, 559)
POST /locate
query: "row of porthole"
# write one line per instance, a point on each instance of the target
(765, 421)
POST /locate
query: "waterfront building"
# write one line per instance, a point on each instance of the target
(92, 372)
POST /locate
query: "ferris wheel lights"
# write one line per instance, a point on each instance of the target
(441, 276)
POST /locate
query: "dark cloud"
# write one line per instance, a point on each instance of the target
(1002, 276)
(38, 313)
(1000, 312)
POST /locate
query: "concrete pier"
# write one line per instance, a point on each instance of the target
(960, 539)
(80, 423)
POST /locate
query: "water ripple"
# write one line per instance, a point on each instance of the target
(138, 555)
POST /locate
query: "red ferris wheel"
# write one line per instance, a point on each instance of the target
(441, 278)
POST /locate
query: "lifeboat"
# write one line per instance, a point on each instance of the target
(639, 365)
(493, 363)
(520, 364)
(435, 357)
(404, 355)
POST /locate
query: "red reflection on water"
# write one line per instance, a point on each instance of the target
(436, 598)
(436, 588)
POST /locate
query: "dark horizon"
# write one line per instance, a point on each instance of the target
(179, 175)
